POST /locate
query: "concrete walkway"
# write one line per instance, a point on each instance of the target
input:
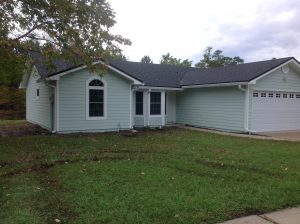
(286, 216)
(277, 136)
(242, 135)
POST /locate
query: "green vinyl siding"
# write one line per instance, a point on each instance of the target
(155, 121)
(275, 81)
(215, 107)
(139, 121)
(38, 109)
(72, 103)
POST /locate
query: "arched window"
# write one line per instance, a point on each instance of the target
(95, 99)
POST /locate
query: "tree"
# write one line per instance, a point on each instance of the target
(217, 59)
(167, 59)
(119, 57)
(146, 59)
(63, 29)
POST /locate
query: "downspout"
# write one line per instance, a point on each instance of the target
(54, 87)
(246, 108)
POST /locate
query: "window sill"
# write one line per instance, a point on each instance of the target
(95, 118)
(155, 115)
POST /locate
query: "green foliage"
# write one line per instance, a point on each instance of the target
(168, 59)
(169, 176)
(118, 57)
(217, 59)
(146, 59)
(61, 27)
(12, 103)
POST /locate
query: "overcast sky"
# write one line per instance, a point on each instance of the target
(253, 29)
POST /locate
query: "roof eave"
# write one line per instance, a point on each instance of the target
(214, 85)
(58, 75)
(254, 80)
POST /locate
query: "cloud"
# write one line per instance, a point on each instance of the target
(275, 32)
(254, 30)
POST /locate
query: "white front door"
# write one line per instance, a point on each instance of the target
(275, 111)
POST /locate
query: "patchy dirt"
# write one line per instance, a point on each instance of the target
(22, 129)
(46, 166)
(246, 212)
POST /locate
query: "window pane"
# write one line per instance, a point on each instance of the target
(155, 97)
(96, 95)
(96, 103)
(155, 103)
(96, 110)
(96, 82)
(139, 109)
(139, 103)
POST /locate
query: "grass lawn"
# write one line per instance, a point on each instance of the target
(168, 176)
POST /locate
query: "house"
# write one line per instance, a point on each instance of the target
(252, 97)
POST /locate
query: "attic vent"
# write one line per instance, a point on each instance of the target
(285, 69)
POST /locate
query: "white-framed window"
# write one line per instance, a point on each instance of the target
(95, 99)
(37, 93)
(271, 95)
(155, 103)
(284, 95)
(255, 94)
(263, 95)
(139, 103)
(297, 96)
(278, 95)
(291, 95)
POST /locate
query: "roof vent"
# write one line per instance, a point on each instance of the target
(285, 69)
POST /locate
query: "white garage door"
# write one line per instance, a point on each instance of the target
(275, 111)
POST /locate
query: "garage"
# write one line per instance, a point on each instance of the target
(275, 111)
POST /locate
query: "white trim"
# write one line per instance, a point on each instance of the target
(159, 88)
(274, 69)
(145, 108)
(57, 103)
(148, 113)
(155, 115)
(55, 118)
(37, 90)
(163, 109)
(275, 90)
(215, 85)
(246, 106)
(104, 88)
(57, 77)
(130, 107)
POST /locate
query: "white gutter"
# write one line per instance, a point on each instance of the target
(160, 88)
(215, 85)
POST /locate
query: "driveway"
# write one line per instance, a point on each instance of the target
(287, 135)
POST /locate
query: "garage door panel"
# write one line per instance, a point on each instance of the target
(280, 111)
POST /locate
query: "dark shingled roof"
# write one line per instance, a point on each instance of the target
(173, 76)
(154, 74)
(231, 73)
